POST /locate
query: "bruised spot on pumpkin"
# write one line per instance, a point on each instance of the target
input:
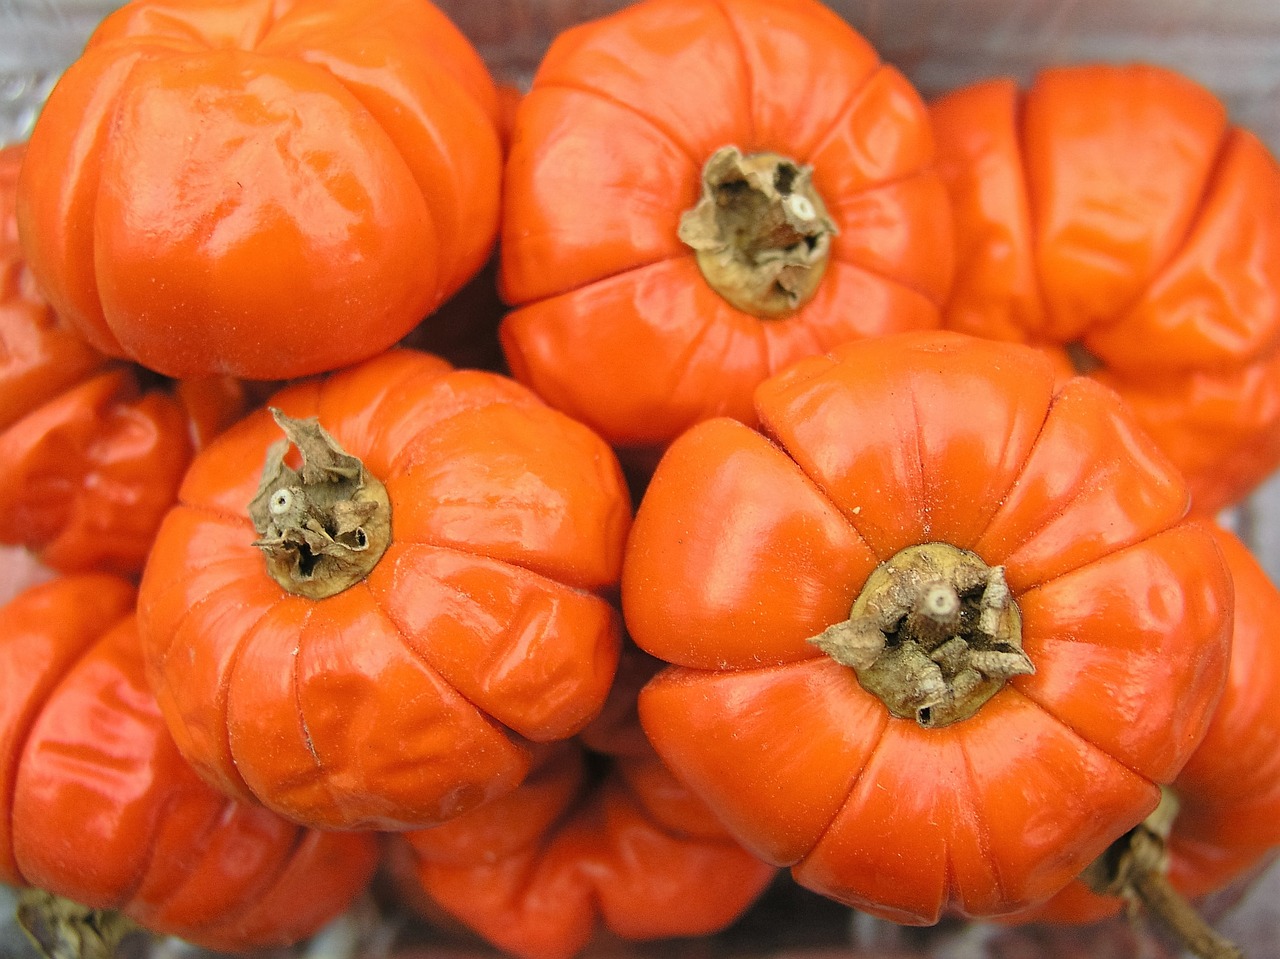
(321, 528)
(760, 231)
(934, 634)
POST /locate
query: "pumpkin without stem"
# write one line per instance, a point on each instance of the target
(601, 836)
(99, 807)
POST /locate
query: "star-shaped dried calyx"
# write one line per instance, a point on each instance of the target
(935, 633)
(323, 527)
(760, 231)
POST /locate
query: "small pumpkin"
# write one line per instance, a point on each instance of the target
(369, 619)
(1112, 216)
(594, 840)
(1220, 818)
(700, 192)
(261, 189)
(91, 451)
(939, 629)
(99, 807)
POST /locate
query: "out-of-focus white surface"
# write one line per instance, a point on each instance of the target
(1231, 46)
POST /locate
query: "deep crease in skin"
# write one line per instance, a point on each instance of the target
(520, 563)
(748, 74)
(853, 785)
(320, 778)
(844, 255)
(679, 370)
(629, 108)
(422, 656)
(983, 829)
(251, 898)
(221, 694)
(1027, 697)
(1175, 249)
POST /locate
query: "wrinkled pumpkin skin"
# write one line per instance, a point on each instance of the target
(91, 451)
(600, 838)
(418, 692)
(98, 806)
(749, 543)
(262, 189)
(1112, 216)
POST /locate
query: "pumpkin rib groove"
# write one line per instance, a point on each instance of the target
(126, 901)
(249, 901)
(1175, 249)
(850, 104)
(749, 80)
(840, 254)
(162, 655)
(563, 84)
(854, 781)
(983, 828)
(297, 693)
(422, 656)
(1013, 689)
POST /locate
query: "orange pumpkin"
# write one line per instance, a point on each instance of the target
(938, 630)
(1112, 217)
(600, 837)
(262, 188)
(700, 192)
(375, 634)
(98, 806)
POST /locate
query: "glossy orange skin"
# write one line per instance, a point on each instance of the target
(615, 324)
(747, 544)
(90, 458)
(86, 479)
(1115, 208)
(262, 188)
(414, 695)
(98, 805)
(540, 872)
(40, 354)
(1229, 791)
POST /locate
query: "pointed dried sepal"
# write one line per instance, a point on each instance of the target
(323, 527)
(935, 633)
(62, 929)
(760, 231)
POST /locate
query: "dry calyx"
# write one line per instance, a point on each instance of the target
(760, 231)
(323, 527)
(1135, 868)
(935, 633)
